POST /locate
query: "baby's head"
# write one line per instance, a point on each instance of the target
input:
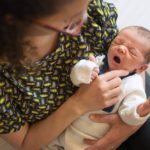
(130, 50)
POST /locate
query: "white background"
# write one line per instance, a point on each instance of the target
(133, 12)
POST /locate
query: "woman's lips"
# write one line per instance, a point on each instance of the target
(117, 59)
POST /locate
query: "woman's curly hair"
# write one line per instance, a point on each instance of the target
(15, 16)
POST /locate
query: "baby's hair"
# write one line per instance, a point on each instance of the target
(143, 33)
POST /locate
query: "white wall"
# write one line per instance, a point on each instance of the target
(133, 12)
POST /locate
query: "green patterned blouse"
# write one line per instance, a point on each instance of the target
(32, 95)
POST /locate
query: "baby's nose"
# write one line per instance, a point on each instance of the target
(123, 49)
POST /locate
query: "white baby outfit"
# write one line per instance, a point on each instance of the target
(133, 94)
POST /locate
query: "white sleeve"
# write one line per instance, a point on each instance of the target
(128, 108)
(81, 72)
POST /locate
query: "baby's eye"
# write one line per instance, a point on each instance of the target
(119, 42)
(132, 51)
(116, 42)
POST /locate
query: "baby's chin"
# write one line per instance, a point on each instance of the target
(112, 68)
(115, 68)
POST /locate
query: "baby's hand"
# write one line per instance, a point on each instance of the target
(94, 74)
(144, 108)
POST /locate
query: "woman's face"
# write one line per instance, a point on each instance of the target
(69, 19)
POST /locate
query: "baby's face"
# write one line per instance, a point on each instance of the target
(127, 51)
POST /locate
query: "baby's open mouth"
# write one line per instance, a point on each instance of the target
(117, 59)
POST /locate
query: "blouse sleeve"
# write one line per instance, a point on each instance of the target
(10, 116)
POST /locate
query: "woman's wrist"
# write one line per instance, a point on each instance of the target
(74, 107)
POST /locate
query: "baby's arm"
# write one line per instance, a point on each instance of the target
(86, 71)
(130, 110)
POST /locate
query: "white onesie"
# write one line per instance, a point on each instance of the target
(133, 94)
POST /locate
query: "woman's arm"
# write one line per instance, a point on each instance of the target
(101, 93)
(39, 134)
(118, 128)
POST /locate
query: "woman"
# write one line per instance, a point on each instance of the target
(40, 42)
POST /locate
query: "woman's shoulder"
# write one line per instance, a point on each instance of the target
(102, 10)
(100, 27)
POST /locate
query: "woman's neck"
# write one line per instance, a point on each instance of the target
(42, 46)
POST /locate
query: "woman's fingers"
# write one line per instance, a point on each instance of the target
(96, 69)
(94, 73)
(113, 74)
(106, 143)
(110, 119)
(92, 58)
(144, 108)
(113, 93)
(115, 82)
(110, 81)
(90, 142)
(111, 90)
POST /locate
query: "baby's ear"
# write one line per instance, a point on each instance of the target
(142, 68)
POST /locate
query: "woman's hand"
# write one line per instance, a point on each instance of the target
(118, 133)
(103, 92)
(144, 109)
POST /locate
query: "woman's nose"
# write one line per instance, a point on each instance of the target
(122, 49)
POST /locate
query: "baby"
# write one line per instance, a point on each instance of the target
(130, 51)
